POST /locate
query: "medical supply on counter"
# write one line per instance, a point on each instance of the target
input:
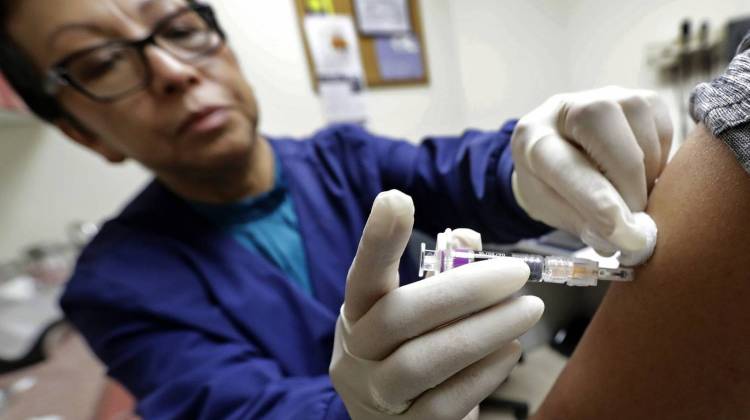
(544, 269)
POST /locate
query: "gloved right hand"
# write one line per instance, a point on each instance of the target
(433, 349)
(586, 161)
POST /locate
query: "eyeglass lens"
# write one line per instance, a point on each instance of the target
(118, 68)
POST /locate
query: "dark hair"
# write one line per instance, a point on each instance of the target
(21, 72)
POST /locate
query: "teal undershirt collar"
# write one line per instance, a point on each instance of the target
(268, 225)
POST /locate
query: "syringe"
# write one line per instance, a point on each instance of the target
(544, 269)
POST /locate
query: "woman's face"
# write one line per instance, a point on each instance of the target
(194, 118)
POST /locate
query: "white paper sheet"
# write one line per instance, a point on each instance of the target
(383, 16)
(343, 101)
(334, 46)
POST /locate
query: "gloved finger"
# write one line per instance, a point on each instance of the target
(545, 204)
(420, 307)
(664, 126)
(374, 271)
(473, 414)
(640, 116)
(575, 178)
(428, 360)
(466, 389)
(602, 246)
(603, 131)
(467, 239)
(555, 211)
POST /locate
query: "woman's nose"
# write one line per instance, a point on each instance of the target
(170, 75)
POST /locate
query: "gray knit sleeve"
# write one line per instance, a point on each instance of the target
(723, 105)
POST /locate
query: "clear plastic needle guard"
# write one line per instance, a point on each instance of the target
(544, 269)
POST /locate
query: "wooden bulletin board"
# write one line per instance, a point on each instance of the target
(367, 45)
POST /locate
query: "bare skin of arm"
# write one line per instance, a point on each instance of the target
(676, 342)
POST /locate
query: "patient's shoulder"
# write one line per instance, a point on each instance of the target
(676, 342)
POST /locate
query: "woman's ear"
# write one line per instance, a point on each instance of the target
(79, 134)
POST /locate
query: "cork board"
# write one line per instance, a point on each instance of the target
(367, 46)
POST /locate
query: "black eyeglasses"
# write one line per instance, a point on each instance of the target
(117, 69)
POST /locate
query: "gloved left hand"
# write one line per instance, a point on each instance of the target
(585, 163)
(433, 349)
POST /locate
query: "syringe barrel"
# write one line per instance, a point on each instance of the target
(550, 269)
(570, 271)
(535, 263)
(461, 257)
(557, 269)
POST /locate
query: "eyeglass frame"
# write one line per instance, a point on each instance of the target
(58, 74)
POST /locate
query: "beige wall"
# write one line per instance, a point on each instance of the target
(512, 55)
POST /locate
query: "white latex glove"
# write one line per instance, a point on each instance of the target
(586, 162)
(433, 349)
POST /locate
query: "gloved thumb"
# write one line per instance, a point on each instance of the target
(634, 236)
(374, 271)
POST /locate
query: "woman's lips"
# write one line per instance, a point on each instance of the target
(205, 121)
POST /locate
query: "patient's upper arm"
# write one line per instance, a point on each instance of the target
(676, 342)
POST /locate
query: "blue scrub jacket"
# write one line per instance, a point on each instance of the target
(196, 326)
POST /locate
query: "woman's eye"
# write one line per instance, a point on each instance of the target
(99, 67)
(181, 32)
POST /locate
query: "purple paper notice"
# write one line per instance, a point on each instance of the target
(399, 58)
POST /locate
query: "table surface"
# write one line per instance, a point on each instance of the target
(67, 385)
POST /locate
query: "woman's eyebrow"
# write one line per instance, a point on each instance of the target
(87, 27)
(144, 8)
(145, 5)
